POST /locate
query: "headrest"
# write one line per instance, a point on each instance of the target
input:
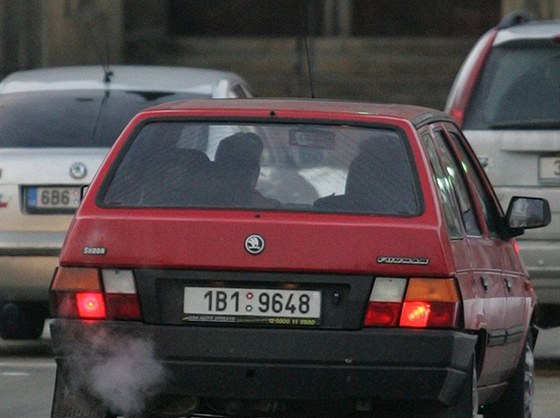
(244, 148)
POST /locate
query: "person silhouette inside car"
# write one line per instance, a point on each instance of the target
(237, 160)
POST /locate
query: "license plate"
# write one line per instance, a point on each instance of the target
(52, 198)
(549, 170)
(267, 306)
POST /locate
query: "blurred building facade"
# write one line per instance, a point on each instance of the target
(384, 50)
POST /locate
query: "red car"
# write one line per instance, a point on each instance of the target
(293, 258)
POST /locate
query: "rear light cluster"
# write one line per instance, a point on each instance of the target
(413, 303)
(89, 293)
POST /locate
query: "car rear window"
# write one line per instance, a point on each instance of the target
(72, 118)
(519, 88)
(266, 166)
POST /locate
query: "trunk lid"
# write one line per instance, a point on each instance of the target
(216, 240)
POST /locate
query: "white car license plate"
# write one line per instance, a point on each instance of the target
(270, 306)
(549, 169)
(53, 197)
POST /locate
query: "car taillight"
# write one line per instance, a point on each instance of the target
(89, 293)
(385, 302)
(414, 303)
(120, 294)
(91, 305)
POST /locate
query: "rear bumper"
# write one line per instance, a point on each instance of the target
(282, 364)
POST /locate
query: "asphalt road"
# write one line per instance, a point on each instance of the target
(27, 373)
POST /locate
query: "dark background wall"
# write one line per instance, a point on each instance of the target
(376, 50)
(369, 18)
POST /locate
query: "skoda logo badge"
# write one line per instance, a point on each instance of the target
(78, 171)
(254, 244)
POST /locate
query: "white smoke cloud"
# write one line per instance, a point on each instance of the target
(121, 371)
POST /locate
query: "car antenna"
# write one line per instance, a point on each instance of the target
(309, 68)
(103, 52)
(104, 58)
(305, 24)
(108, 73)
(91, 16)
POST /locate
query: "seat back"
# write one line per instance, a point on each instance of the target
(379, 178)
(187, 176)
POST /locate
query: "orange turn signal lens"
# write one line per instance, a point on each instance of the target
(439, 290)
(75, 278)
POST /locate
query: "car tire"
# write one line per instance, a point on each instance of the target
(517, 400)
(22, 321)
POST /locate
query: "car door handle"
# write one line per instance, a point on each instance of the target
(508, 284)
(484, 282)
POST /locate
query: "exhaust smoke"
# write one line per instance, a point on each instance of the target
(119, 370)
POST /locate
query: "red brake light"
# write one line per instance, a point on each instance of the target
(89, 293)
(413, 303)
(91, 305)
(415, 314)
(431, 303)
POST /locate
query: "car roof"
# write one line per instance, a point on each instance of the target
(285, 108)
(529, 30)
(124, 77)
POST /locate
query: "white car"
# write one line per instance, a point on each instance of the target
(56, 126)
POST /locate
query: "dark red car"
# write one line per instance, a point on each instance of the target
(293, 258)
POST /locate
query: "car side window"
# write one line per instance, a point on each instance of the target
(488, 205)
(455, 176)
(449, 205)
